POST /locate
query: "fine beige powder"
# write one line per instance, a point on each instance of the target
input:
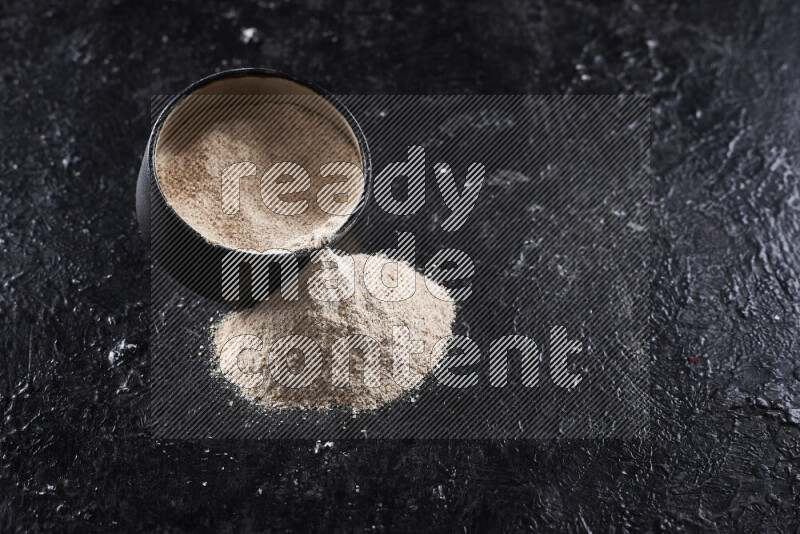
(426, 317)
(207, 134)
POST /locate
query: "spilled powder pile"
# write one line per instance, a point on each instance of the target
(207, 134)
(427, 318)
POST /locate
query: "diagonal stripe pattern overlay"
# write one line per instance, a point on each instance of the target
(533, 211)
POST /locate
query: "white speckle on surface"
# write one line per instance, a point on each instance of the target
(793, 416)
(248, 35)
(320, 446)
(114, 353)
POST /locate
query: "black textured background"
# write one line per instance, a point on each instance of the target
(76, 84)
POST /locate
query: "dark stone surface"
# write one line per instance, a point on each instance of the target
(74, 451)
